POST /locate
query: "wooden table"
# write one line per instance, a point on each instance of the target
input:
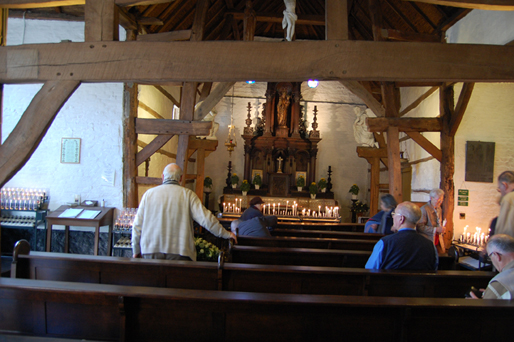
(105, 218)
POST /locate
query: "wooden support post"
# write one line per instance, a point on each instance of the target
(395, 171)
(448, 159)
(130, 105)
(374, 186)
(186, 113)
(200, 172)
(101, 21)
(249, 22)
(336, 19)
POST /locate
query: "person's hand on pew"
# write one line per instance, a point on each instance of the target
(472, 294)
(233, 237)
(136, 255)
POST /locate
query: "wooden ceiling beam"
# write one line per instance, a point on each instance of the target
(410, 36)
(314, 20)
(405, 124)
(240, 61)
(171, 36)
(418, 101)
(26, 4)
(460, 108)
(492, 5)
(402, 15)
(449, 22)
(426, 145)
(163, 126)
(361, 92)
(204, 107)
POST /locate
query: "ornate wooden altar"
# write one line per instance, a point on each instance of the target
(279, 148)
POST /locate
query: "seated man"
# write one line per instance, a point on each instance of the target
(254, 210)
(500, 249)
(406, 249)
(255, 227)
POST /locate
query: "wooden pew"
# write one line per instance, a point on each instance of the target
(244, 277)
(298, 256)
(311, 257)
(308, 225)
(325, 234)
(294, 242)
(113, 312)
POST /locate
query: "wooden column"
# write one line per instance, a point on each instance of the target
(374, 186)
(130, 105)
(336, 19)
(393, 157)
(200, 172)
(4, 13)
(446, 96)
(101, 21)
(188, 99)
(249, 21)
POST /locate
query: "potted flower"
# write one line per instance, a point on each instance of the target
(257, 181)
(322, 184)
(360, 208)
(300, 183)
(313, 189)
(207, 184)
(354, 190)
(235, 180)
(245, 186)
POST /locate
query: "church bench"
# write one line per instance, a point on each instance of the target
(133, 313)
(308, 225)
(310, 257)
(244, 277)
(296, 242)
(325, 234)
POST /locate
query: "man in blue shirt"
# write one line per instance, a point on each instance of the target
(406, 249)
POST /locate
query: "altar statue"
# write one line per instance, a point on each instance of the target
(360, 129)
(214, 129)
(283, 103)
(290, 18)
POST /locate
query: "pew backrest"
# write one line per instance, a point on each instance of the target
(113, 312)
(297, 242)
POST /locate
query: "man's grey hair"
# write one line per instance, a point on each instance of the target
(436, 193)
(501, 243)
(411, 211)
(172, 172)
(507, 177)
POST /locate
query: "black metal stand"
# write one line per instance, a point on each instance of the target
(354, 213)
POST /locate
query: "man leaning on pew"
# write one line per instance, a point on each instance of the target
(163, 226)
(406, 249)
(500, 249)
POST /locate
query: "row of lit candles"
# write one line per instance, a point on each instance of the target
(478, 238)
(290, 210)
(21, 203)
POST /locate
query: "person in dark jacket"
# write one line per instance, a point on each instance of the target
(406, 249)
(382, 222)
(255, 227)
(255, 209)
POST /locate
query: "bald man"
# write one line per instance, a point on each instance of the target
(405, 249)
(163, 226)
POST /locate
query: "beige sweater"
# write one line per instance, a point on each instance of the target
(164, 221)
(505, 223)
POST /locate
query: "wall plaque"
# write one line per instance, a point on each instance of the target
(479, 161)
(70, 150)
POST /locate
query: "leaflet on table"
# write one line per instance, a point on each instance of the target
(89, 214)
(71, 213)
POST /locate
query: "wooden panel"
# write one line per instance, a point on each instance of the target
(237, 61)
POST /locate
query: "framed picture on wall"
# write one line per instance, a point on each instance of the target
(301, 173)
(256, 172)
(70, 150)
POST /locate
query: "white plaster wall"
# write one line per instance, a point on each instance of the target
(483, 27)
(488, 118)
(93, 114)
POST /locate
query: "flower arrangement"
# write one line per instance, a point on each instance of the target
(300, 181)
(207, 182)
(313, 188)
(234, 179)
(206, 251)
(257, 180)
(245, 186)
(359, 207)
(322, 184)
(354, 189)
